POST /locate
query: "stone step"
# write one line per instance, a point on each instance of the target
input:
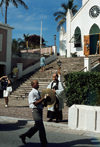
(44, 78)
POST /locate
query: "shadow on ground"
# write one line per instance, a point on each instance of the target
(13, 126)
(81, 143)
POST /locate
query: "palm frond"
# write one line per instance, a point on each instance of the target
(60, 23)
(59, 17)
(62, 14)
(59, 13)
(65, 6)
(15, 3)
(1, 3)
(22, 3)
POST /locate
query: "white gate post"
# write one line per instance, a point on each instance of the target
(87, 64)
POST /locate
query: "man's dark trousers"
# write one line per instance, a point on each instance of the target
(39, 126)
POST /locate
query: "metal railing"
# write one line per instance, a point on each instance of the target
(95, 61)
(91, 64)
(83, 69)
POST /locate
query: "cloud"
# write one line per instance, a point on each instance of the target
(28, 27)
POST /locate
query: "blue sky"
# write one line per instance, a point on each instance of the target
(29, 21)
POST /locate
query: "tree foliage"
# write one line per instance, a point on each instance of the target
(82, 88)
(20, 44)
(60, 16)
(14, 2)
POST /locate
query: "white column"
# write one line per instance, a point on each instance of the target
(87, 64)
(68, 26)
(73, 117)
(54, 50)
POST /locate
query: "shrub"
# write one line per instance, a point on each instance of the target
(82, 88)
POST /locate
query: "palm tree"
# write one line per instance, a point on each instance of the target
(61, 15)
(15, 3)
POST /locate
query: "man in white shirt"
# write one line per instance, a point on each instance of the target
(55, 111)
(35, 103)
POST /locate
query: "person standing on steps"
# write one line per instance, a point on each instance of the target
(35, 103)
(7, 88)
(53, 110)
(42, 63)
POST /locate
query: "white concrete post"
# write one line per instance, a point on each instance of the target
(87, 64)
(54, 50)
(73, 117)
(20, 70)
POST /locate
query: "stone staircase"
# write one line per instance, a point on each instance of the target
(22, 87)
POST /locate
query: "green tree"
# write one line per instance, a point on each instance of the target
(60, 16)
(14, 2)
(17, 45)
(33, 41)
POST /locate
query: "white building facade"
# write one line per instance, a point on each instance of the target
(5, 49)
(82, 34)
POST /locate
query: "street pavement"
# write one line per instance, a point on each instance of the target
(19, 108)
(58, 135)
(17, 118)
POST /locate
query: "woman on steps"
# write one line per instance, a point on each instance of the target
(7, 88)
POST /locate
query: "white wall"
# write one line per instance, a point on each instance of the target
(62, 42)
(84, 22)
(8, 49)
(84, 2)
(83, 117)
(36, 66)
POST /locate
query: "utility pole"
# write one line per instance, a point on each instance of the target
(54, 40)
(40, 37)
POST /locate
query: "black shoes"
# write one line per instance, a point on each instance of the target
(22, 137)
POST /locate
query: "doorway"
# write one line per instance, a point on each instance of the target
(91, 44)
(94, 49)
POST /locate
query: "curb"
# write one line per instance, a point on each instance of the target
(4, 119)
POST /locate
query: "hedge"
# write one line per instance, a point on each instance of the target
(82, 88)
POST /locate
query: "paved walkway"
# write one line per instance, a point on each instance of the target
(19, 108)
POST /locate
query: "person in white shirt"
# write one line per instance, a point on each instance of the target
(55, 111)
(35, 103)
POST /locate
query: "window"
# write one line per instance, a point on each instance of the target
(94, 29)
(77, 37)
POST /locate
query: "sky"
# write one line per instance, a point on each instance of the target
(29, 21)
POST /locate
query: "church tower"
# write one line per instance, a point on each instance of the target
(68, 30)
(62, 49)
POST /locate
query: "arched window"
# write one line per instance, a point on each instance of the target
(94, 29)
(77, 37)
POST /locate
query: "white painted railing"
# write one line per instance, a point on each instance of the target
(33, 67)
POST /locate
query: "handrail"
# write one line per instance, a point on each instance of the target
(91, 64)
(82, 69)
(96, 61)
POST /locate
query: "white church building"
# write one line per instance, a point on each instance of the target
(82, 35)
